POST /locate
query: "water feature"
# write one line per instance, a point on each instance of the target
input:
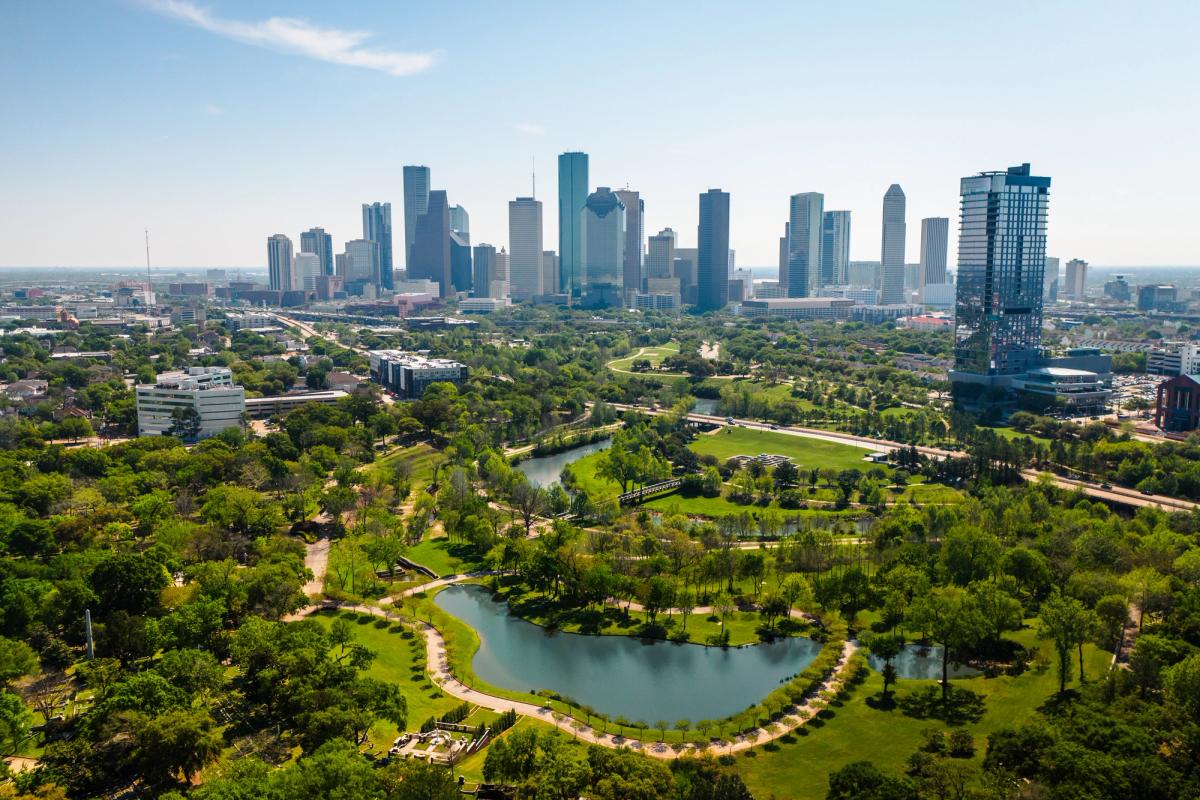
(620, 675)
(705, 405)
(919, 663)
(544, 470)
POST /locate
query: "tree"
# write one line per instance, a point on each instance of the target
(885, 647)
(1068, 623)
(658, 595)
(773, 607)
(175, 743)
(17, 659)
(529, 501)
(185, 423)
(418, 780)
(862, 780)
(15, 720)
(1001, 611)
(130, 582)
(951, 618)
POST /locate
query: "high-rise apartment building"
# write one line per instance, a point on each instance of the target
(362, 265)
(431, 244)
(835, 248)
(483, 263)
(316, 240)
(712, 268)
(377, 227)
(891, 261)
(525, 248)
(306, 268)
(660, 257)
(1076, 283)
(805, 218)
(416, 203)
(635, 209)
(460, 223)
(935, 244)
(602, 239)
(279, 263)
(572, 195)
(1051, 280)
(1001, 265)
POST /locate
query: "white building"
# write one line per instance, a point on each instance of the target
(935, 242)
(797, 308)
(279, 263)
(891, 261)
(1174, 358)
(660, 260)
(525, 271)
(306, 267)
(209, 391)
(409, 374)
(482, 305)
(938, 295)
(1076, 281)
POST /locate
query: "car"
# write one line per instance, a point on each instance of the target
(774, 427)
(1106, 486)
(1146, 492)
(729, 420)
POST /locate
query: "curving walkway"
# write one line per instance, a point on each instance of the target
(438, 662)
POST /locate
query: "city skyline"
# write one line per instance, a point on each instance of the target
(167, 161)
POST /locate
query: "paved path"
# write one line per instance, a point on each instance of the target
(316, 558)
(438, 664)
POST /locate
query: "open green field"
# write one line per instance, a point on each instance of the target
(805, 453)
(421, 457)
(443, 557)
(798, 767)
(1011, 433)
(654, 354)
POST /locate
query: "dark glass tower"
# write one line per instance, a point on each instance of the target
(377, 227)
(572, 195)
(431, 247)
(1001, 267)
(316, 240)
(712, 272)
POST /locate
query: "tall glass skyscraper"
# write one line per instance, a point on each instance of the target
(431, 245)
(316, 240)
(416, 203)
(572, 194)
(891, 260)
(279, 263)
(602, 241)
(635, 237)
(377, 227)
(1001, 266)
(935, 242)
(712, 270)
(805, 215)
(835, 248)
(460, 223)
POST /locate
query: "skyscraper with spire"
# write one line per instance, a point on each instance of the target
(891, 259)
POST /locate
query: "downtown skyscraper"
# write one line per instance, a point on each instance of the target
(1001, 265)
(835, 248)
(316, 240)
(935, 242)
(891, 259)
(431, 244)
(805, 217)
(279, 263)
(635, 212)
(416, 203)
(712, 271)
(377, 227)
(525, 275)
(602, 240)
(572, 195)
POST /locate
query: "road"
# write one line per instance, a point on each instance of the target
(1115, 494)
(310, 332)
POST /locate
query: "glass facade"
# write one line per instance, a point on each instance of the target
(572, 195)
(712, 258)
(805, 220)
(377, 227)
(603, 242)
(1001, 269)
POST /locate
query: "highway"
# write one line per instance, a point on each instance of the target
(1115, 494)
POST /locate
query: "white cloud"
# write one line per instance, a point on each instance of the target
(299, 36)
(213, 111)
(532, 128)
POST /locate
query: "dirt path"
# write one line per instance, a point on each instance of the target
(316, 558)
(439, 669)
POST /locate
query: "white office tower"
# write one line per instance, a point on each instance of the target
(362, 262)
(1076, 279)
(803, 275)
(935, 242)
(660, 258)
(305, 269)
(193, 404)
(891, 261)
(835, 248)
(525, 248)
(279, 263)
(501, 266)
(635, 212)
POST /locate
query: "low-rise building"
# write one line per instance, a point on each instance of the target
(265, 407)
(797, 307)
(482, 305)
(410, 374)
(193, 404)
(1075, 390)
(1177, 408)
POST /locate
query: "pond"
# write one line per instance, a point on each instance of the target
(545, 470)
(705, 405)
(621, 675)
(919, 663)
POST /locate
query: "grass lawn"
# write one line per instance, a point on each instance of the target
(898, 411)
(805, 453)
(443, 557)
(1011, 433)
(399, 661)
(773, 391)
(422, 457)
(654, 354)
(798, 767)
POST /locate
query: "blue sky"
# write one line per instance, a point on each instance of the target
(219, 123)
